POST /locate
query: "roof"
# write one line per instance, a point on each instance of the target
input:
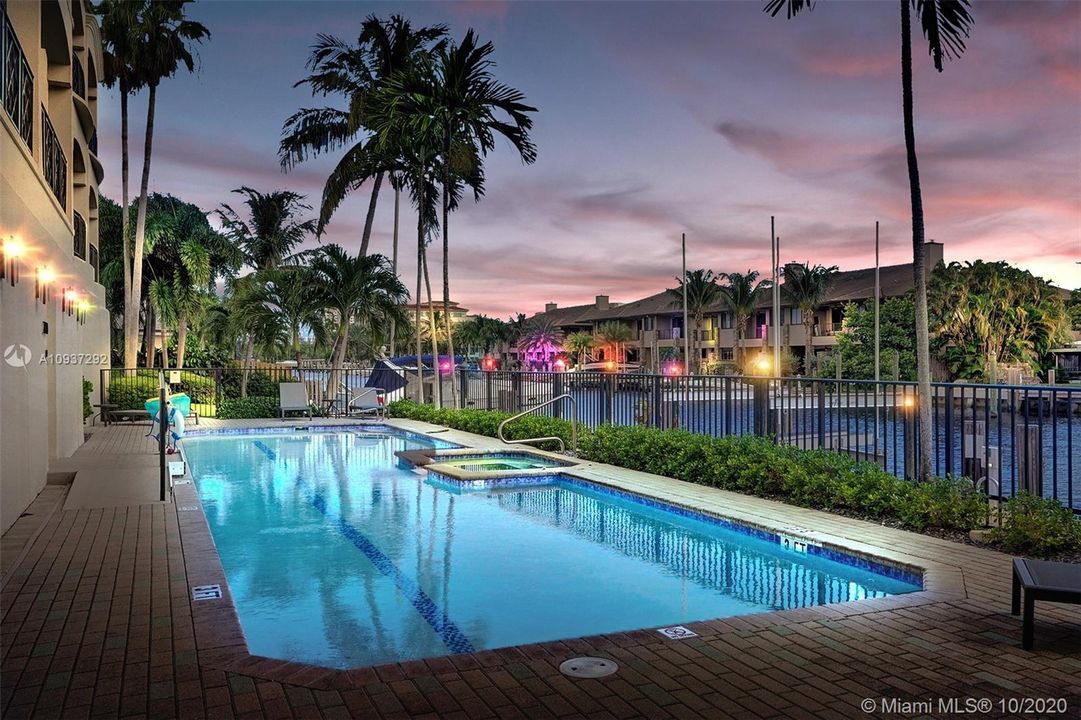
(455, 308)
(657, 303)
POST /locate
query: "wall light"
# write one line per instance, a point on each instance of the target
(45, 277)
(12, 250)
(82, 306)
(68, 303)
(762, 364)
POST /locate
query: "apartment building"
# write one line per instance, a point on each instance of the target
(54, 329)
(656, 321)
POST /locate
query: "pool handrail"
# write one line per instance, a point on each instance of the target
(546, 403)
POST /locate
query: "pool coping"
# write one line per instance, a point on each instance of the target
(222, 645)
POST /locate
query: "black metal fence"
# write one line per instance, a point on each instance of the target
(1005, 438)
(129, 388)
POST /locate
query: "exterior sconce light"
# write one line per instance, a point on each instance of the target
(9, 259)
(45, 278)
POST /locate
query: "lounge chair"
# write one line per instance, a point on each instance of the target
(1043, 580)
(293, 397)
(368, 400)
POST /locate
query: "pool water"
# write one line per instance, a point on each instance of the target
(338, 556)
(500, 461)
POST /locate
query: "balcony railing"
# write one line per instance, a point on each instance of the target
(79, 241)
(16, 81)
(707, 335)
(54, 162)
(78, 77)
(669, 334)
(92, 143)
(95, 261)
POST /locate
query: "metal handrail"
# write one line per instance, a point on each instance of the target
(546, 403)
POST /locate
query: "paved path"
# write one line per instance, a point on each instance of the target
(98, 622)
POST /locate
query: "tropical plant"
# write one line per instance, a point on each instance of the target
(358, 289)
(540, 338)
(741, 293)
(703, 293)
(355, 72)
(806, 286)
(989, 313)
(159, 46)
(480, 333)
(579, 344)
(856, 341)
(273, 229)
(946, 25)
(453, 104)
(252, 323)
(293, 295)
(614, 335)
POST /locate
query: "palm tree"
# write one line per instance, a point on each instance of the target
(359, 289)
(356, 72)
(539, 337)
(293, 295)
(268, 237)
(162, 47)
(703, 293)
(120, 38)
(806, 286)
(741, 294)
(946, 25)
(613, 334)
(454, 103)
(579, 344)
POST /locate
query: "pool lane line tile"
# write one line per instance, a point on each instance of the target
(440, 622)
(266, 449)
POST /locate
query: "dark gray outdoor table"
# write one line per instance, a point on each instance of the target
(1043, 580)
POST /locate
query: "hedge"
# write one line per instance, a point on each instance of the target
(253, 406)
(130, 392)
(486, 422)
(1032, 525)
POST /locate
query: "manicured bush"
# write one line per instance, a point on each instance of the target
(131, 391)
(253, 406)
(1037, 526)
(486, 422)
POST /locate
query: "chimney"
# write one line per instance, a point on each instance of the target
(549, 307)
(602, 302)
(932, 255)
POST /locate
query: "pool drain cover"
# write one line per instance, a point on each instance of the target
(588, 667)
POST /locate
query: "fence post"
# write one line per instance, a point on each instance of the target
(658, 416)
(463, 380)
(1029, 452)
(820, 420)
(101, 387)
(729, 408)
(516, 391)
(949, 429)
(610, 399)
(163, 429)
(760, 387)
(217, 391)
(557, 390)
(488, 389)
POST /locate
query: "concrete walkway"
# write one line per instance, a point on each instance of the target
(98, 621)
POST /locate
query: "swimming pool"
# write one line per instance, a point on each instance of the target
(337, 556)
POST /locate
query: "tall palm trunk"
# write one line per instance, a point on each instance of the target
(435, 341)
(245, 371)
(148, 335)
(144, 185)
(370, 219)
(181, 337)
(394, 267)
(919, 271)
(339, 356)
(131, 307)
(296, 348)
(446, 265)
(416, 311)
(808, 341)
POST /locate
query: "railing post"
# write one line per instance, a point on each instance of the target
(729, 407)
(163, 429)
(610, 399)
(760, 388)
(488, 389)
(217, 390)
(515, 391)
(463, 380)
(557, 390)
(949, 429)
(820, 419)
(658, 416)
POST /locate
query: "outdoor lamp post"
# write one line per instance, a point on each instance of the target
(760, 386)
(908, 420)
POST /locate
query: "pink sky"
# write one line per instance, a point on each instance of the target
(657, 119)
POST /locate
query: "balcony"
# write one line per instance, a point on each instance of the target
(78, 77)
(54, 162)
(16, 82)
(79, 239)
(707, 335)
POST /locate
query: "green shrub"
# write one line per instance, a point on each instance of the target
(1036, 526)
(88, 409)
(486, 422)
(253, 406)
(131, 391)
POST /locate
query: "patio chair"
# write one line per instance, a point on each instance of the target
(367, 401)
(1043, 580)
(293, 397)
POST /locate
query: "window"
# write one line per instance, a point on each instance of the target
(79, 240)
(796, 316)
(95, 261)
(727, 354)
(54, 162)
(726, 320)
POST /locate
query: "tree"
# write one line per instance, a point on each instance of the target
(355, 72)
(453, 103)
(856, 341)
(1073, 309)
(358, 289)
(613, 335)
(162, 46)
(741, 294)
(540, 338)
(945, 26)
(293, 295)
(703, 293)
(579, 344)
(990, 313)
(480, 332)
(806, 286)
(120, 39)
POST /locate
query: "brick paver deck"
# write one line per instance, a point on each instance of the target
(98, 621)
